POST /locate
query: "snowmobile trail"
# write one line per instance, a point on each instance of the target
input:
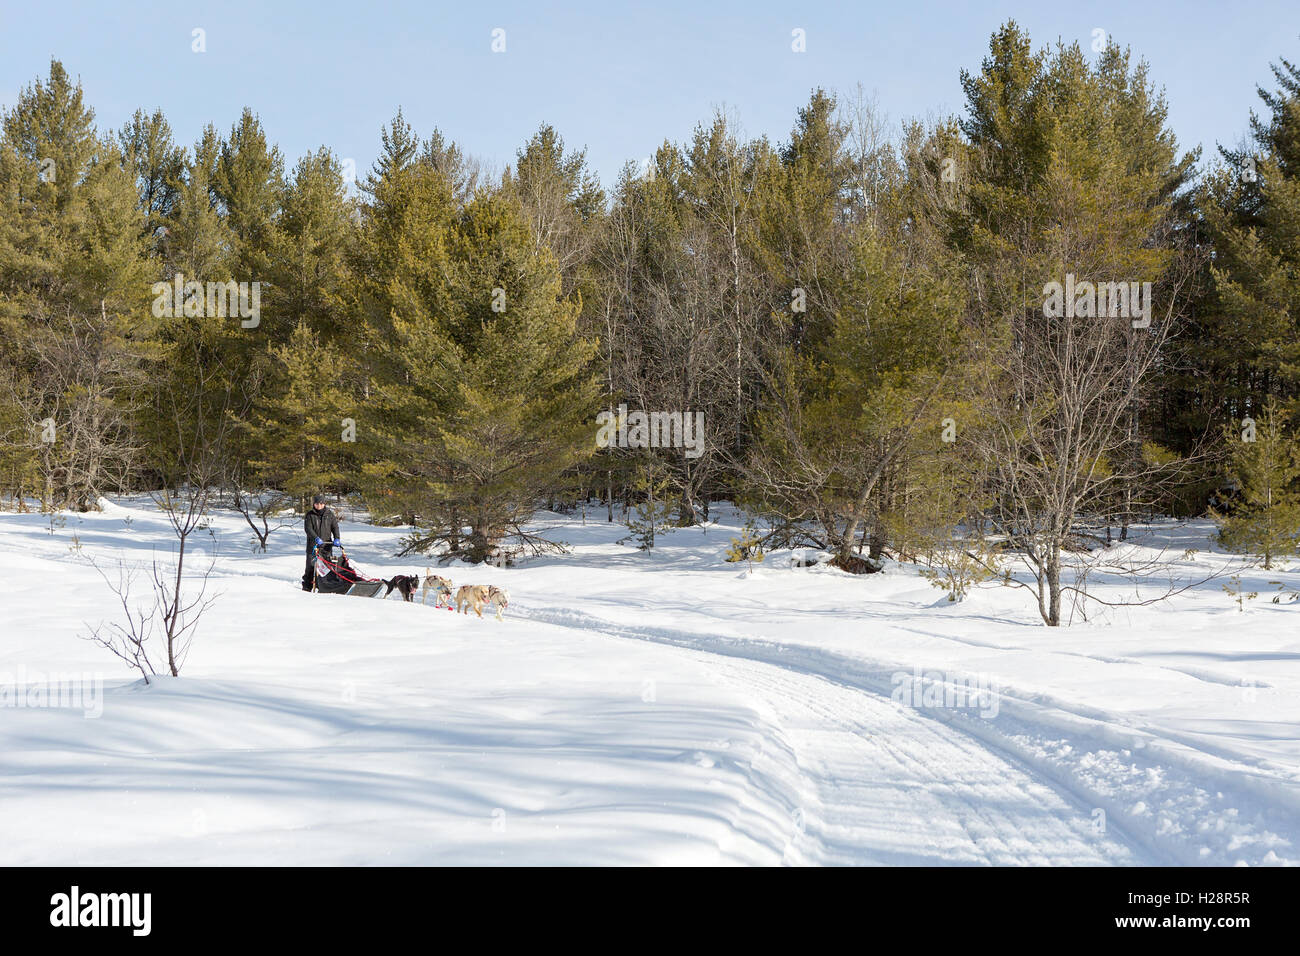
(886, 784)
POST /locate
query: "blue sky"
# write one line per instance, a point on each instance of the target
(618, 79)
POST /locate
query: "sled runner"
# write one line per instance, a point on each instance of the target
(342, 578)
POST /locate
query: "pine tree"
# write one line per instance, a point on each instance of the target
(397, 278)
(1246, 346)
(747, 546)
(247, 183)
(850, 412)
(307, 253)
(199, 365)
(653, 513)
(1265, 463)
(73, 292)
(305, 427)
(480, 397)
(802, 190)
(400, 149)
(158, 164)
(561, 199)
(1072, 172)
(521, 412)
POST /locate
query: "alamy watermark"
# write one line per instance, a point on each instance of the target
(1115, 300)
(215, 300)
(931, 689)
(624, 429)
(35, 689)
(75, 908)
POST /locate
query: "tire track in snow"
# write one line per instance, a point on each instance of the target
(1178, 804)
(892, 785)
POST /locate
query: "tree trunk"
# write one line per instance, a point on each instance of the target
(1052, 571)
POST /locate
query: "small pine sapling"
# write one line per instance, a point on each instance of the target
(1239, 593)
(656, 511)
(748, 546)
(1265, 463)
(957, 566)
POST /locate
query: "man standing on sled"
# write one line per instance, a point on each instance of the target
(321, 525)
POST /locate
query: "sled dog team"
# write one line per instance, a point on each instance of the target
(475, 596)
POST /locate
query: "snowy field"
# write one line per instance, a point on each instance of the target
(641, 708)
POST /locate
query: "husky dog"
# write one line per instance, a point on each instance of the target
(440, 587)
(498, 598)
(471, 596)
(477, 596)
(405, 584)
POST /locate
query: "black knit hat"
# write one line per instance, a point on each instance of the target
(318, 500)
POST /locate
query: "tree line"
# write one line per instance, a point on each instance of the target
(859, 317)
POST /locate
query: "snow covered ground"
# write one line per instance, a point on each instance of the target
(660, 708)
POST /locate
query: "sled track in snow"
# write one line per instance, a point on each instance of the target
(891, 784)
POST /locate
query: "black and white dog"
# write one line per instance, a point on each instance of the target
(405, 584)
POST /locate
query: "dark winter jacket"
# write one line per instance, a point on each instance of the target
(323, 524)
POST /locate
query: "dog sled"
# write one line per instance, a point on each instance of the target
(342, 578)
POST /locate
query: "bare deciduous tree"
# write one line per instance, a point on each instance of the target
(1058, 439)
